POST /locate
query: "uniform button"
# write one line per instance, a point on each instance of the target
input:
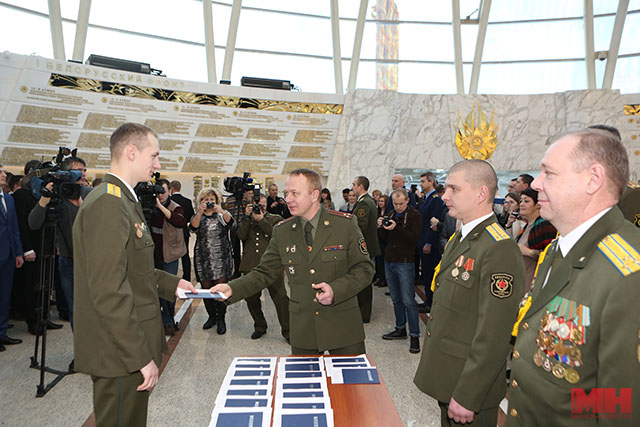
(428, 334)
(312, 271)
(514, 383)
(315, 300)
(257, 250)
(290, 261)
(257, 238)
(516, 354)
(437, 284)
(317, 313)
(513, 412)
(429, 316)
(257, 244)
(525, 326)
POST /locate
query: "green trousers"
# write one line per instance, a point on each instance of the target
(117, 403)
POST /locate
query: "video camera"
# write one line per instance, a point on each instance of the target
(148, 191)
(65, 184)
(239, 185)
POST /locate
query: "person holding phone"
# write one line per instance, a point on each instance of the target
(212, 255)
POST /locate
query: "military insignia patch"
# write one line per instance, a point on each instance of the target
(636, 220)
(114, 190)
(501, 285)
(360, 212)
(363, 246)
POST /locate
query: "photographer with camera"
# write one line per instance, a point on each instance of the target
(212, 254)
(401, 229)
(277, 205)
(66, 211)
(167, 220)
(255, 232)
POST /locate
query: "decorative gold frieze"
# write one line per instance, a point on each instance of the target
(476, 141)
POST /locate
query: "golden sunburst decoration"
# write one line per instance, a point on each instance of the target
(476, 142)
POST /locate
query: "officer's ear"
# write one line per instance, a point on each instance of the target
(315, 194)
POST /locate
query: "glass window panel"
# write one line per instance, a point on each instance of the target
(426, 78)
(431, 11)
(531, 78)
(469, 36)
(605, 6)
(629, 43)
(176, 60)
(366, 75)
(509, 10)
(368, 49)
(69, 9)
(350, 8)
(311, 7)
(425, 42)
(468, 8)
(627, 75)
(13, 26)
(41, 6)
(347, 36)
(286, 33)
(600, 67)
(466, 70)
(221, 15)
(309, 74)
(534, 40)
(158, 17)
(602, 28)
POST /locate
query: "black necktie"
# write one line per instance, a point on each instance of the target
(308, 237)
(3, 210)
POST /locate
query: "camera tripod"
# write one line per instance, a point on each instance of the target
(45, 286)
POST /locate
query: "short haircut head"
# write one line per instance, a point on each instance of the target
(478, 173)
(604, 148)
(376, 193)
(14, 181)
(399, 192)
(526, 178)
(364, 181)
(175, 184)
(610, 129)
(163, 181)
(209, 192)
(273, 184)
(530, 192)
(67, 164)
(129, 133)
(430, 176)
(346, 190)
(30, 165)
(514, 196)
(313, 178)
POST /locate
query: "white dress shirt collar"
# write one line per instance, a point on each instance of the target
(466, 228)
(126, 184)
(567, 242)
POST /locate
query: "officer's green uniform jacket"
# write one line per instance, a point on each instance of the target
(467, 335)
(366, 212)
(597, 287)
(118, 328)
(630, 203)
(255, 237)
(339, 258)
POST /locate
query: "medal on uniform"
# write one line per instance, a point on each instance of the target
(560, 349)
(456, 271)
(558, 370)
(139, 229)
(292, 270)
(465, 276)
(571, 375)
(468, 266)
(538, 358)
(293, 248)
(563, 331)
(286, 249)
(546, 365)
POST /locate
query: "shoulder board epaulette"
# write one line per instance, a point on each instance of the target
(285, 221)
(114, 190)
(338, 213)
(497, 232)
(435, 195)
(633, 186)
(620, 253)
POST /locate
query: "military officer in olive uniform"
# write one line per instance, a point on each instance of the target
(582, 328)
(629, 203)
(255, 231)
(478, 285)
(326, 262)
(118, 336)
(366, 212)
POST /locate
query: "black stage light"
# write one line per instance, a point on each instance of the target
(266, 83)
(122, 64)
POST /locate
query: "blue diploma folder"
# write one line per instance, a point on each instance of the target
(304, 420)
(360, 376)
(240, 419)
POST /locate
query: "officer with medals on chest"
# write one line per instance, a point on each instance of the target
(118, 334)
(326, 262)
(477, 287)
(576, 360)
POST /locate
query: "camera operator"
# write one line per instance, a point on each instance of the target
(401, 229)
(167, 221)
(277, 205)
(68, 210)
(236, 204)
(258, 223)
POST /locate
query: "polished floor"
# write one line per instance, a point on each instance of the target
(190, 379)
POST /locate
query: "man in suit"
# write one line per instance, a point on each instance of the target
(477, 289)
(11, 257)
(581, 333)
(276, 205)
(255, 231)
(397, 181)
(118, 337)
(366, 212)
(429, 240)
(187, 208)
(326, 261)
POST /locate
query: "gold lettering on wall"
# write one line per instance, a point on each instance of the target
(206, 147)
(93, 140)
(171, 144)
(266, 134)
(314, 136)
(298, 152)
(166, 126)
(167, 163)
(194, 164)
(219, 131)
(33, 135)
(316, 166)
(260, 150)
(45, 115)
(256, 166)
(100, 121)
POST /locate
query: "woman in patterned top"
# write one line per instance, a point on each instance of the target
(212, 255)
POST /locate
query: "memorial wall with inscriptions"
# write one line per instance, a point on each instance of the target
(207, 130)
